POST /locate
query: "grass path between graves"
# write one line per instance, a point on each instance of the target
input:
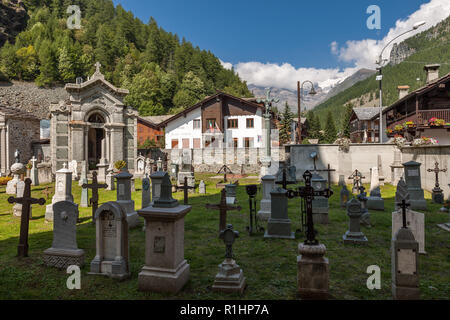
(269, 265)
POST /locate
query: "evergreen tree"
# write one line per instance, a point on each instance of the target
(314, 126)
(345, 125)
(286, 125)
(191, 91)
(330, 129)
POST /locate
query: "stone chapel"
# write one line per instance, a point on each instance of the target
(93, 125)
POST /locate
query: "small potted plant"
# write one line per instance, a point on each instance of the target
(398, 128)
(409, 124)
(28, 166)
(120, 164)
(435, 122)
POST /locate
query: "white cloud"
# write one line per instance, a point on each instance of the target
(364, 53)
(226, 65)
(361, 53)
(286, 76)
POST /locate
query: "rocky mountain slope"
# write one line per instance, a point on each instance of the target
(13, 20)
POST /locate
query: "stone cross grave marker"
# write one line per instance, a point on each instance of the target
(95, 187)
(365, 214)
(26, 201)
(185, 187)
(437, 195)
(64, 251)
(230, 277)
(34, 172)
(357, 178)
(223, 207)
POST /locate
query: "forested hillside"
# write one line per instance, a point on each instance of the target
(163, 73)
(430, 46)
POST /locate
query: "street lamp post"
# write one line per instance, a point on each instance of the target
(380, 75)
(299, 95)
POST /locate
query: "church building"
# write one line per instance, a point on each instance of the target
(93, 125)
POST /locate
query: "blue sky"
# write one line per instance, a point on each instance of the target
(296, 32)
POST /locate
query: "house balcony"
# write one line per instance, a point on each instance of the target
(420, 121)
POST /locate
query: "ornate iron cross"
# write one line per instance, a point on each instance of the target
(436, 170)
(308, 193)
(268, 102)
(94, 199)
(185, 189)
(223, 207)
(403, 205)
(26, 201)
(357, 179)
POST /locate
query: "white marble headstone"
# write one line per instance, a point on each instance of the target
(415, 221)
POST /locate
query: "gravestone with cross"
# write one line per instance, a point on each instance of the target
(26, 201)
(357, 178)
(63, 190)
(230, 277)
(415, 221)
(64, 251)
(95, 186)
(185, 187)
(112, 243)
(34, 172)
(365, 214)
(437, 195)
(312, 267)
(225, 170)
(223, 207)
(404, 264)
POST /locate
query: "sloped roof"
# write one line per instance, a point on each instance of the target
(200, 103)
(156, 119)
(366, 113)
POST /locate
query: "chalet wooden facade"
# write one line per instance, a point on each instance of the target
(364, 125)
(220, 120)
(148, 130)
(423, 112)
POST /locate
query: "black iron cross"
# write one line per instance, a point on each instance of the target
(225, 170)
(26, 201)
(436, 170)
(94, 199)
(357, 179)
(403, 205)
(308, 193)
(185, 188)
(223, 207)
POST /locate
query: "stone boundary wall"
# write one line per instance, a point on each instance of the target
(212, 159)
(364, 156)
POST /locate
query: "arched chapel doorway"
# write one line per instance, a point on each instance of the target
(96, 140)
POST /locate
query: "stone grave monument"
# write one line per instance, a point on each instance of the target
(186, 169)
(202, 187)
(165, 268)
(268, 183)
(34, 174)
(230, 277)
(64, 251)
(84, 203)
(112, 245)
(365, 214)
(381, 177)
(16, 169)
(396, 167)
(73, 166)
(375, 202)
(63, 190)
(124, 197)
(146, 196)
(354, 234)
(404, 262)
(83, 173)
(110, 178)
(414, 185)
(279, 224)
(17, 208)
(140, 166)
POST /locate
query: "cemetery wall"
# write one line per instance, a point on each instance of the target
(22, 132)
(212, 159)
(365, 156)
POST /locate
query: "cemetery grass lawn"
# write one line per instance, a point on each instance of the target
(269, 265)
